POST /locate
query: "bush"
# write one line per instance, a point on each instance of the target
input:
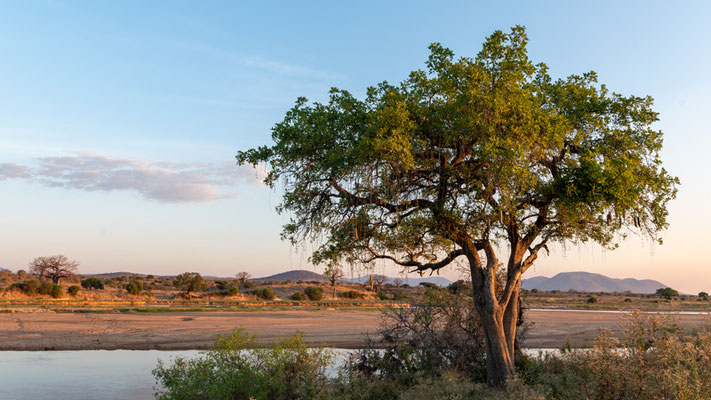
(248, 284)
(264, 293)
(27, 287)
(135, 287)
(56, 291)
(92, 283)
(439, 333)
(592, 300)
(667, 293)
(382, 295)
(46, 288)
(298, 296)
(237, 369)
(653, 359)
(232, 291)
(314, 293)
(352, 294)
(401, 296)
(73, 290)
(190, 282)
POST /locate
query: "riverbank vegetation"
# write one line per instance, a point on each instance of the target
(428, 359)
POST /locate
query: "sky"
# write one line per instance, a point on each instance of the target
(119, 121)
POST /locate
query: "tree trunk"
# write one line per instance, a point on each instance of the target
(498, 321)
(499, 355)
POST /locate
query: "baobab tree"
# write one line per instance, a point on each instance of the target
(478, 159)
(53, 267)
(378, 281)
(243, 276)
(333, 274)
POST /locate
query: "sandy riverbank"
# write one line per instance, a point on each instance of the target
(178, 330)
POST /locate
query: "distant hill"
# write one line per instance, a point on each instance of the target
(437, 280)
(294, 275)
(589, 282)
(114, 274)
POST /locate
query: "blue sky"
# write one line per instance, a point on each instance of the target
(119, 121)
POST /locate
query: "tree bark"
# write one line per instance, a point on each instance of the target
(497, 320)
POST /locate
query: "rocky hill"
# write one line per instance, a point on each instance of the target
(294, 275)
(590, 282)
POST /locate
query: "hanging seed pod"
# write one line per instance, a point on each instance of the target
(501, 216)
(609, 218)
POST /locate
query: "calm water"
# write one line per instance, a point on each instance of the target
(96, 374)
(80, 375)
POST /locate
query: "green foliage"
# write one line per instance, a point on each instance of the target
(667, 293)
(56, 291)
(401, 296)
(27, 287)
(190, 282)
(248, 284)
(237, 369)
(703, 296)
(223, 285)
(264, 293)
(468, 145)
(73, 290)
(382, 295)
(314, 293)
(653, 359)
(92, 283)
(135, 287)
(232, 291)
(352, 294)
(592, 300)
(298, 296)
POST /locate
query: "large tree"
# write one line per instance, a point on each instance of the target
(53, 267)
(476, 159)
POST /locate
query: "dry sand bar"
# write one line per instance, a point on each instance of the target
(196, 330)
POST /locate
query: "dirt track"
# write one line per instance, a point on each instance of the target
(176, 331)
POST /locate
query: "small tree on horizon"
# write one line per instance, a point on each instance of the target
(668, 293)
(190, 282)
(333, 274)
(378, 282)
(54, 268)
(243, 276)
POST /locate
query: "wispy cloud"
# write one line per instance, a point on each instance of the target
(12, 170)
(170, 182)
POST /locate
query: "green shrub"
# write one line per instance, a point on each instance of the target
(135, 287)
(401, 296)
(232, 291)
(27, 287)
(56, 291)
(46, 288)
(73, 290)
(352, 294)
(298, 296)
(237, 369)
(314, 293)
(264, 293)
(190, 282)
(592, 300)
(382, 295)
(654, 358)
(248, 284)
(92, 283)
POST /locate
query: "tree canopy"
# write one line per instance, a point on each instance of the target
(470, 155)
